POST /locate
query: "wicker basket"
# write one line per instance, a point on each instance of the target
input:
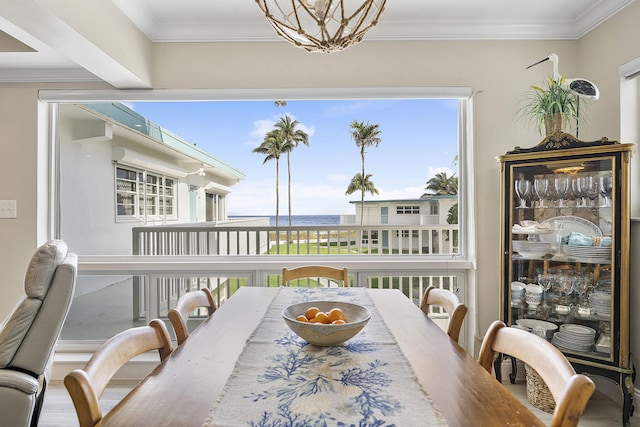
(537, 391)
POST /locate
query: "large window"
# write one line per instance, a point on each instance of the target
(143, 195)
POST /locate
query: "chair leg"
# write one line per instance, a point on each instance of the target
(39, 402)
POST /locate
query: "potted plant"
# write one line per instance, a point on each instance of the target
(550, 106)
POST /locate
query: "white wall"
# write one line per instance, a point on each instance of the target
(495, 70)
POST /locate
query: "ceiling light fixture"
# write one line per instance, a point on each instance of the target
(322, 25)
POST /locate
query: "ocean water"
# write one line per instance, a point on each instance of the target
(301, 220)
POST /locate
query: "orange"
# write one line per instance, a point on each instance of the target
(302, 318)
(322, 318)
(338, 322)
(311, 312)
(336, 314)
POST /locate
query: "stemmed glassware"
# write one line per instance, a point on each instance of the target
(606, 186)
(580, 186)
(582, 283)
(545, 280)
(541, 187)
(523, 190)
(561, 187)
(592, 192)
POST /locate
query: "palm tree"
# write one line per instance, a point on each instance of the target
(272, 146)
(363, 185)
(443, 185)
(364, 135)
(291, 138)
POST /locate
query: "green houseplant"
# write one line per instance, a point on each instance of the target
(550, 106)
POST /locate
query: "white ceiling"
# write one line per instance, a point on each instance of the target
(241, 21)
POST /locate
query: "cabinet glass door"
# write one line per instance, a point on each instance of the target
(560, 257)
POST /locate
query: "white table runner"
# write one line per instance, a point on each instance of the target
(281, 380)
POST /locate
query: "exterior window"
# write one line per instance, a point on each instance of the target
(434, 209)
(403, 233)
(143, 195)
(407, 210)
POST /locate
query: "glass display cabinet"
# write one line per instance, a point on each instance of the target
(565, 252)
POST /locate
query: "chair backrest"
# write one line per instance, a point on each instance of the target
(316, 271)
(85, 386)
(451, 304)
(570, 391)
(29, 335)
(186, 305)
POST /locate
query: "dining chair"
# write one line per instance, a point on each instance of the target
(451, 304)
(317, 272)
(187, 304)
(570, 391)
(85, 386)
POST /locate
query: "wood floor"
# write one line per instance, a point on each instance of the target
(58, 410)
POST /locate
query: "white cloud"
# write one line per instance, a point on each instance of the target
(338, 177)
(431, 171)
(264, 126)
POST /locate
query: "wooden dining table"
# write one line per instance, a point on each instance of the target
(182, 389)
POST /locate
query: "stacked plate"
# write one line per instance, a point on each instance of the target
(592, 254)
(539, 327)
(600, 302)
(575, 337)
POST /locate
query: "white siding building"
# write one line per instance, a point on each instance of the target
(427, 210)
(119, 171)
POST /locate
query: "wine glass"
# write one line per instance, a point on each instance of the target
(592, 192)
(561, 187)
(541, 187)
(606, 186)
(580, 186)
(523, 190)
(545, 280)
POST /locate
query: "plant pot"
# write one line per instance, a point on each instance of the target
(554, 123)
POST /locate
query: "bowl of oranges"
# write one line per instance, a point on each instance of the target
(326, 323)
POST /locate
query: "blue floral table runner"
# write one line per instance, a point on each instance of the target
(282, 381)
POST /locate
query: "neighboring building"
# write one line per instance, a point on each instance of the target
(421, 224)
(119, 171)
(427, 210)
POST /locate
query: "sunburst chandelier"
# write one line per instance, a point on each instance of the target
(322, 25)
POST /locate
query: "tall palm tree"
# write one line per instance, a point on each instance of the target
(443, 185)
(272, 147)
(291, 138)
(364, 135)
(363, 185)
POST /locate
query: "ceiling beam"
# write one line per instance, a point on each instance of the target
(96, 35)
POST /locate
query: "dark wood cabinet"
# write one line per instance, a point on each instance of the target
(565, 251)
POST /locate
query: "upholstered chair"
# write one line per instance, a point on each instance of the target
(29, 335)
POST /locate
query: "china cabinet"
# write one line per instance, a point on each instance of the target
(565, 252)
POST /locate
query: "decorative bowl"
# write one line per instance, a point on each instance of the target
(531, 249)
(326, 335)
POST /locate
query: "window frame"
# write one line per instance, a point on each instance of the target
(146, 180)
(50, 98)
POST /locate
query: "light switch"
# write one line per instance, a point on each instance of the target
(8, 209)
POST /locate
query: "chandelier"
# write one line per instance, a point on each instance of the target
(322, 25)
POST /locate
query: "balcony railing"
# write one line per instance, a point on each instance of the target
(115, 292)
(227, 239)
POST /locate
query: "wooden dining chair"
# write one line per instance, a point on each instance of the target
(451, 304)
(186, 305)
(85, 386)
(316, 272)
(570, 391)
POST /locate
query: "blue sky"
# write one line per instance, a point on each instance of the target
(419, 139)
